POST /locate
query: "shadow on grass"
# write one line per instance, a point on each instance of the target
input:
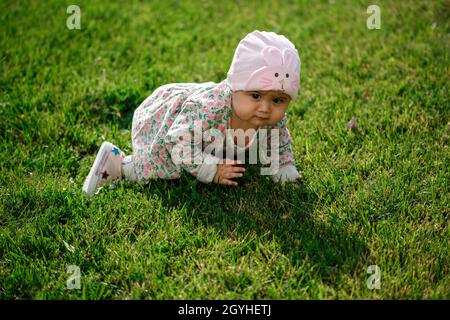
(287, 214)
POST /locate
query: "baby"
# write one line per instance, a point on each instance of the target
(261, 82)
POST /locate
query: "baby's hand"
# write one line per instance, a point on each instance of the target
(226, 171)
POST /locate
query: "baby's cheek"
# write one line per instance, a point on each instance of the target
(278, 116)
(249, 109)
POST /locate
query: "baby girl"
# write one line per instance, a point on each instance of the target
(261, 82)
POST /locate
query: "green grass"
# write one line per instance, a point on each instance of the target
(378, 196)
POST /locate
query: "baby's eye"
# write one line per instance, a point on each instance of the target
(255, 96)
(278, 100)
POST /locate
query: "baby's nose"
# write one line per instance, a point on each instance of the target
(265, 106)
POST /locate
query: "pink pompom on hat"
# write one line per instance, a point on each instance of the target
(265, 61)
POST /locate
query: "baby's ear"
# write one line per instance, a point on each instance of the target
(289, 59)
(272, 56)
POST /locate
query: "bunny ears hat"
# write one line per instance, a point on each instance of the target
(265, 61)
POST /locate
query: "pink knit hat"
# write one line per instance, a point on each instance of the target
(265, 61)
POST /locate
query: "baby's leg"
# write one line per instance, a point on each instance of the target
(128, 169)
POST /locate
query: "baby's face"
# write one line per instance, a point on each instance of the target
(260, 108)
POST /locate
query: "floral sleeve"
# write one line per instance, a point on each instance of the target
(184, 142)
(283, 145)
(285, 149)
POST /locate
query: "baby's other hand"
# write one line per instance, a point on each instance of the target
(288, 173)
(227, 170)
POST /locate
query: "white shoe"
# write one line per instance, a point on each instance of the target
(107, 168)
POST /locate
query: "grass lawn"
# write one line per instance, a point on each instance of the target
(375, 196)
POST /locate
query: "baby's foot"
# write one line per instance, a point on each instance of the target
(107, 168)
